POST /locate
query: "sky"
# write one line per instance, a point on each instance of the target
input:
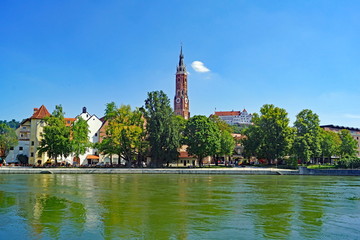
(239, 54)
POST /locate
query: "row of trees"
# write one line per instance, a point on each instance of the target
(271, 138)
(155, 131)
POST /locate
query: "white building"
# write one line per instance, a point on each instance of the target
(235, 117)
(91, 155)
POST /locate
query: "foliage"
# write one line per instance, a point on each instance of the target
(307, 135)
(347, 162)
(270, 136)
(164, 129)
(8, 139)
(330, 143)
(202, 137)
(12, 124)
(56, 135)
(348, 146)
(79, 137)
(125, 132)
(227, 142)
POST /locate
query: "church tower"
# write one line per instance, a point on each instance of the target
(181, 100)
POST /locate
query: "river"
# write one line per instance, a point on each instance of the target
(169, 206)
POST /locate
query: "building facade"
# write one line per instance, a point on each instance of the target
(29, 136)
(181, 99)
(235, 117)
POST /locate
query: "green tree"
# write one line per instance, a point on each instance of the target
(348, 146)
(56, 135)
(13, 123)
(270, 136)
(330, 143)
(202, 137)
(164, 129)
(227, 142)
(80, 140)
(307, 135)
(8, 139)
(124, 133)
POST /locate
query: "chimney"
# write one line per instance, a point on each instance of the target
(35, 110)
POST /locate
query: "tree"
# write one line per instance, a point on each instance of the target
(330, 143)
(270, 136)
(13, 123)
(307, 135)
(124, 133)
(79, 137)
(202, 137)
(348, 146)
(227, 142)
(56, 135)
(164, 129)
(8, 139)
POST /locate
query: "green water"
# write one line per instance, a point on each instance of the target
(179, 207)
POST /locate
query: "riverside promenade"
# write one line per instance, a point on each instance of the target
(209, 171)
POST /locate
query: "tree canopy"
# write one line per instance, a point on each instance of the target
(163, 128)
(56, 135)
(8, 139)
(202, 137)
(307, 135)
(270, 136)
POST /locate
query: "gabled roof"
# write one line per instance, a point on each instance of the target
(40, 113)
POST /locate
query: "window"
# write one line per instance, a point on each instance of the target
(11, 148)
(20, 148)
(32, 154)
(32, 143)
(95, 134)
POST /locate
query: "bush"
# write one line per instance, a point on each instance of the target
(348, 163)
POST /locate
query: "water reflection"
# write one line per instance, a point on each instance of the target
(177, 206)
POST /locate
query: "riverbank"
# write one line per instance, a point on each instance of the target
(209, 171)
(225, 171)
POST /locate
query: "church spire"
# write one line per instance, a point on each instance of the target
(181, 68)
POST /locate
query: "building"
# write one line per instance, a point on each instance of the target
(181, 99)
(91, 156)
(235, 117)
(355, 133)
(29, 136)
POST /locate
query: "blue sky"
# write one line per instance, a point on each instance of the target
(293, 54)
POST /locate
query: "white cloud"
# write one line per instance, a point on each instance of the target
(199, 67)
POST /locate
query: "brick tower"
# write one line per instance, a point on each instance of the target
(181, 100)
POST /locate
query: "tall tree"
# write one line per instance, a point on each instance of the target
(124, 133)
(202, 137)
(330, 143)
(227, 142)
(163, 129)
(79, 137)
(348, 146)
(56, 135)
(307, 135)
(8, 139)
(270, 136)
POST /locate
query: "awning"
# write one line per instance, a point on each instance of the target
(92, 157)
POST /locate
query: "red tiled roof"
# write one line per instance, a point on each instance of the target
(69, 121)
(228, 113)
(40, 113)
